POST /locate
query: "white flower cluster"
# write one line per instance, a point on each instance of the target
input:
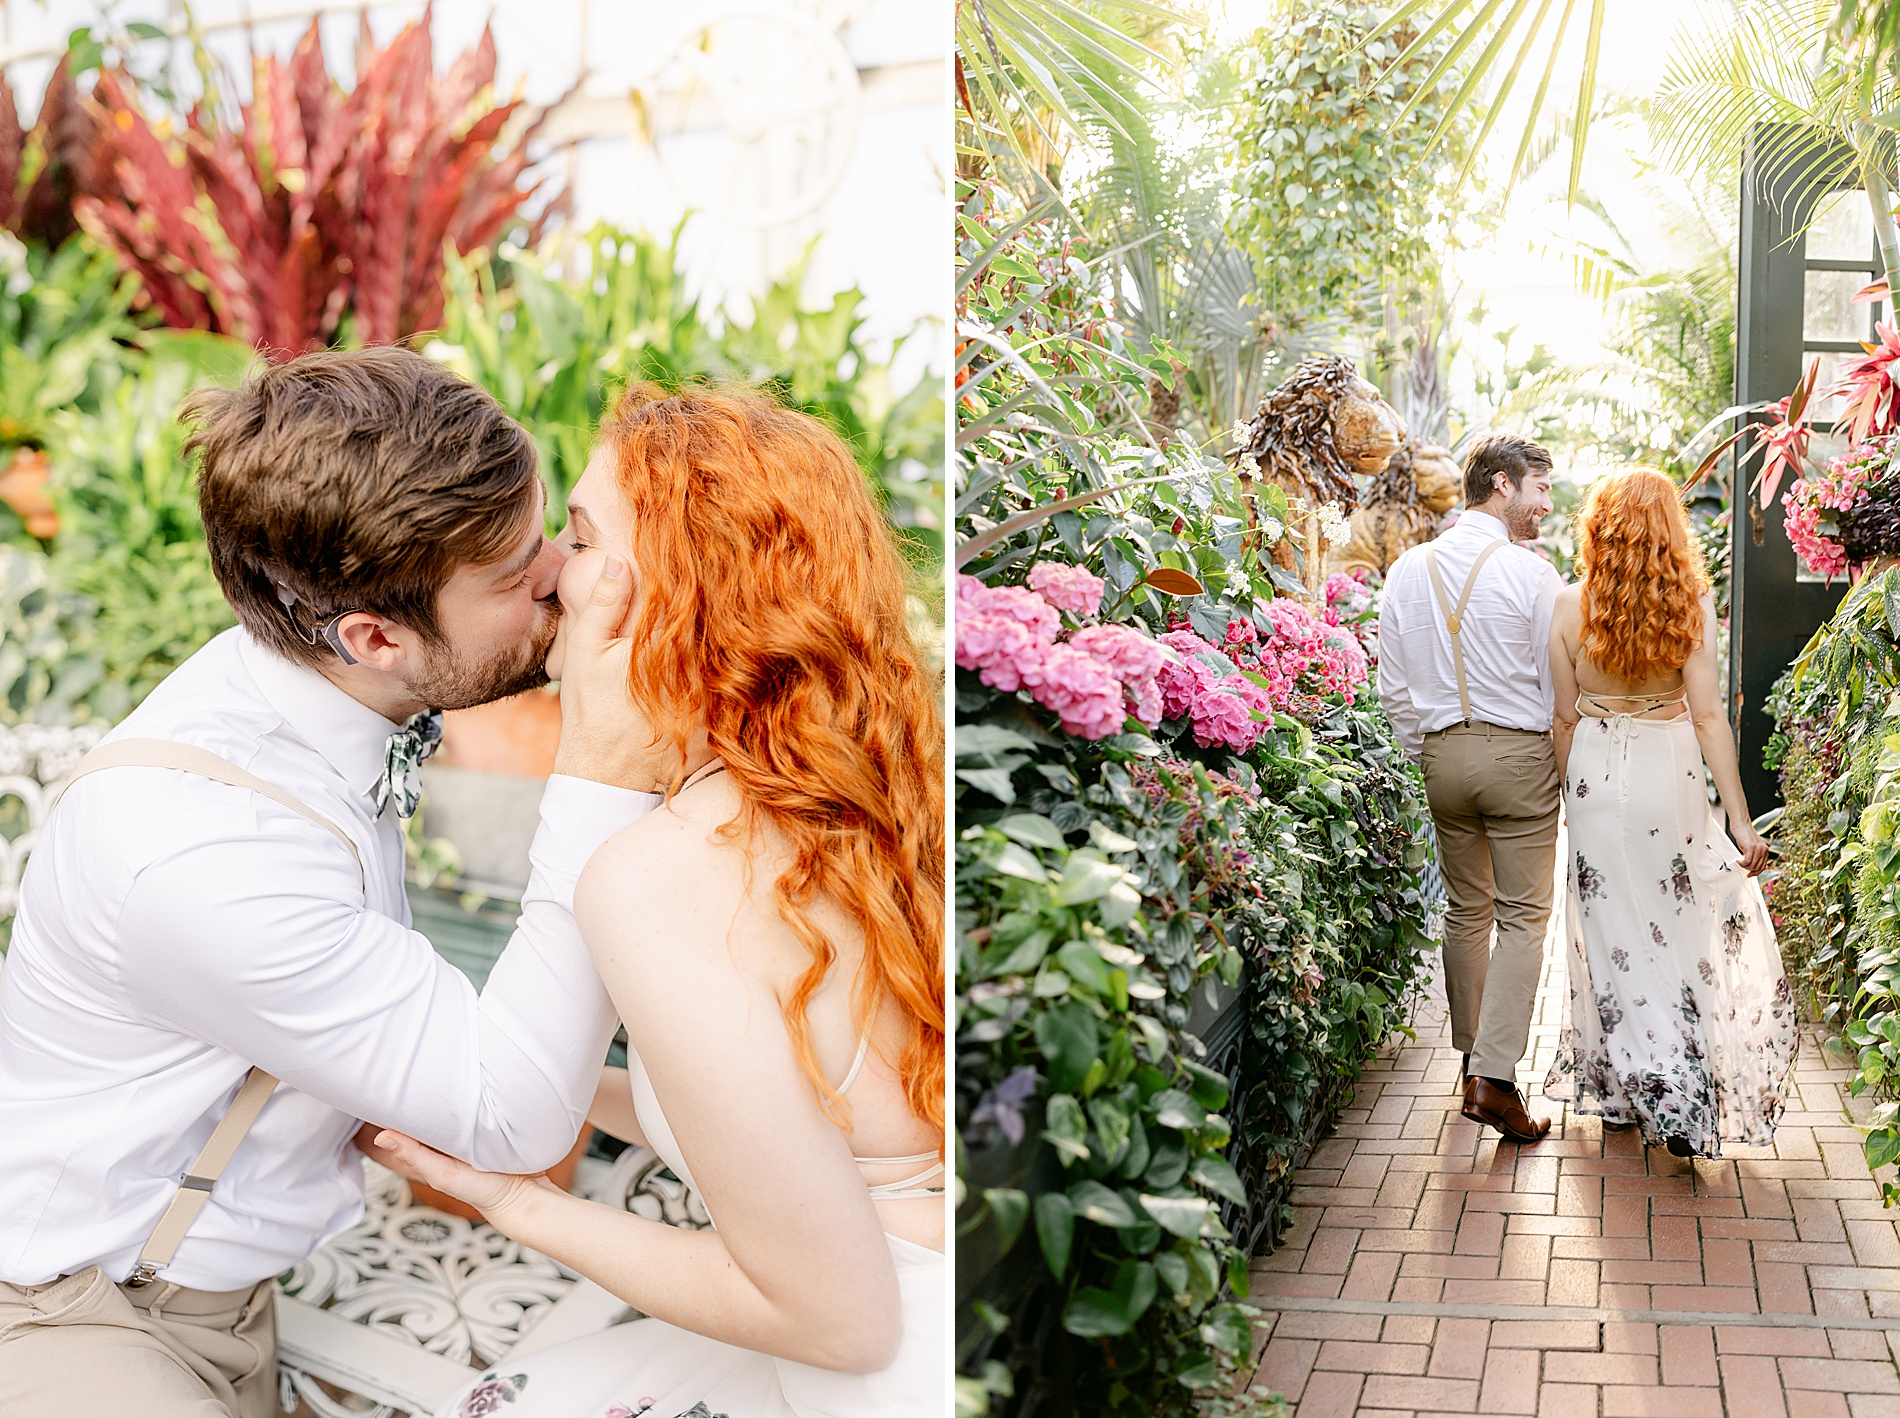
(1334, 525)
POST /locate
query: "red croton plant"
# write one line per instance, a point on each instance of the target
(310, 201)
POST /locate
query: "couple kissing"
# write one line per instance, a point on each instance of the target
(214, 1004)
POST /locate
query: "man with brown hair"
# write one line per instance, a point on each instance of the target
(1464, 674)
(224, 910)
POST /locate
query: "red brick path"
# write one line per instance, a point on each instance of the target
(1435, 1268)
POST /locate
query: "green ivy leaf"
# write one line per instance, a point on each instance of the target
(1183, 1215)
(1070, 1042)
(1055, 1231)
(1229, 1330)
(1198, 1371)
(1882, 1147)
(1010, 1207)
(1094, 1202)
(1067, 1129)
(1083, 963)
(1096, 1314)
(1172, 1269)
(1208, 1086)
(1175, 1109)
(1032, 830)
(1217, 1174)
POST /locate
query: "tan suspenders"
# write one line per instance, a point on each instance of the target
(195, 1190)
(1454, 618)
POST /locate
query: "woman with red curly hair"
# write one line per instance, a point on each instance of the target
(1681, 1020)
(772, 937)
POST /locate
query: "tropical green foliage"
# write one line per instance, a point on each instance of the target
(1835, 895)
(1520, 44)
(1035, 77)
(550, 334)
(1106, 888)
(65, 330)
(1347, 181)
(126, 590)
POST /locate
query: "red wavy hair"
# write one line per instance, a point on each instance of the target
(1643, 583)
(772, 611)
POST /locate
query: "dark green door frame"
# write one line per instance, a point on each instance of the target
(1772, 615)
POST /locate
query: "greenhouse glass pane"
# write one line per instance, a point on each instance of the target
(1828, 311)
(1843, 228)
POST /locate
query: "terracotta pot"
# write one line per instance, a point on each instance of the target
(561, 1174)
(516, 735)
(23, 488)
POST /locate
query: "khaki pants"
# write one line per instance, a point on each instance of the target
(1494, 798)
(82, 1347)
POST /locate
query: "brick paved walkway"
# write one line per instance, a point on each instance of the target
(1434, 1268)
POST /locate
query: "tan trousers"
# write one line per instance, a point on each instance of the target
(1494, 797)
(82, 1346)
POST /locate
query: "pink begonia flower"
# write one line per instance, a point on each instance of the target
(975, 599)
(1347, 591)
(1241, 632)
(1080, 689)
(1068, 588)
(1130, 656)
(1004, 652)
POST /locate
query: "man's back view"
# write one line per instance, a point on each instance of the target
(1464, 674)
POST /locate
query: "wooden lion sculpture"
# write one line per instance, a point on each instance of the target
(1310, 437)
(1404, 507)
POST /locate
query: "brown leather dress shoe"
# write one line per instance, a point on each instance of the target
(1487, 1103)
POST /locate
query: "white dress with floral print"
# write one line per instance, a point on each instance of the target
(1680, 1016)
(650, 1369)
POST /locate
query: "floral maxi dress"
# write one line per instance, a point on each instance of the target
(1680, 1016)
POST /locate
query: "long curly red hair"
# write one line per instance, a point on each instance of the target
(772, 611)
(1643, 583)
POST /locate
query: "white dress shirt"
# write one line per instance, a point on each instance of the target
(1504, 633)
(173, 931)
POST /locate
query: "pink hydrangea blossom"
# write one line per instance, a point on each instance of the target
(1133, 658)
(1184, 641)
(1180, 685)
(1003, 651)
(1220, 715)
(976, 599)
(1084, 694)
(1068, 588)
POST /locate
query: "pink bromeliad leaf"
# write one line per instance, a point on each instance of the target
(1869, 386)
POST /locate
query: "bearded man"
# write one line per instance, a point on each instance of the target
(1464, 674)
(213, 945)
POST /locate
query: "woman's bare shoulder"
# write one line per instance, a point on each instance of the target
(672, 866)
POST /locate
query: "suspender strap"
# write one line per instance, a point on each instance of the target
(1454, 619)
(190, 1198)
(165, 753)
(195, 1191)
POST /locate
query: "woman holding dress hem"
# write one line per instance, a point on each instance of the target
(1681, 1020)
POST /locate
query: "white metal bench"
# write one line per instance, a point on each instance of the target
(407, 1305)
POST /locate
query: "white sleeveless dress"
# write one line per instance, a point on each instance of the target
(1681, 1020)
(647, 1368)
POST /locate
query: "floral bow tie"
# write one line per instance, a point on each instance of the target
(402, 762)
